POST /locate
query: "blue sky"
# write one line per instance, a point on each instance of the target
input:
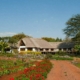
(37, 18)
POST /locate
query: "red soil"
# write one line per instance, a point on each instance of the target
(63, 70)
(7, 77)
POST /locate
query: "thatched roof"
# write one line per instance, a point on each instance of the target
(40, 43)
(62, 44)
(28, 42)
(35, 42)
(55, 44)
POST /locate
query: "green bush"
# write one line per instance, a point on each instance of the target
(61, 53)
(49, 56)
(58, 57)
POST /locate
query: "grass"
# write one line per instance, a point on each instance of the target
(58, 57)
(7, 54)
(77, 64)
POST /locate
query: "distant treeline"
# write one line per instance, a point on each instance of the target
(52, 39)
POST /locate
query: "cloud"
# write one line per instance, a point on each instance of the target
(3, 34)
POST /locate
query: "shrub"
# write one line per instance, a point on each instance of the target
(48, 56)
(58, 57)
(61, 53)
(30, 52)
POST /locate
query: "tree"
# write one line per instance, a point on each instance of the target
(48, 39)
(67, 39)
(12, 40)
(52, 39)
(77, 48)
(76, 38)
(58, 39)
(17, 37)
(3, 46)
(73, 26)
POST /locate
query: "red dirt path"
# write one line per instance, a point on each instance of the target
(63, 70)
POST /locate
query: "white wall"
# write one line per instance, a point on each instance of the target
(34, 49)
(55, 50)
(22, 47)
(44, 50)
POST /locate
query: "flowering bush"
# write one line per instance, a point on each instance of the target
(37, 72)
(12, 78)
(29, 52)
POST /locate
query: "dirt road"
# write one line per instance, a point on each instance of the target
(63, 70)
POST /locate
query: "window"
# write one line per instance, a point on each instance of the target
(46, 49)
(41, 49)
(52, 49)
(29, 49)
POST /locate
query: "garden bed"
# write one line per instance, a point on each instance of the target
(8, 67)
(37, 70)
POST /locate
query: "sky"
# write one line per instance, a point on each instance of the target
(36, 18)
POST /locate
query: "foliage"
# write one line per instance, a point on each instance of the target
(67, 39)
(29, 52)
(51, 39)
(77, 49)
(8, 67)
(3, 46)
(7, 55)
(77, 64)
(23, 77)
(73, 26)
(58, 40)
(61, 53)
(5, 39)
(48, 56)
(13, 39)
(31, 55)
(58, 57)
(17, 37)
(48, 39)
(15, 51)
(37, 72)
(77, 38)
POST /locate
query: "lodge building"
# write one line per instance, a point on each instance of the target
(36, 44)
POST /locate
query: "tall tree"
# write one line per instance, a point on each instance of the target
(77, 37)
(67, 39)
(73, 26)
(17, 37)
(58, 39)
